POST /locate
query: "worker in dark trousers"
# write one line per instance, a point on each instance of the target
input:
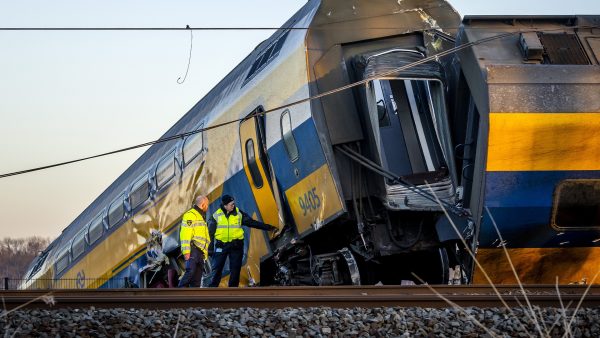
(227, 234)
(194, 242)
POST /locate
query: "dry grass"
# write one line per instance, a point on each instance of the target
(533, 314)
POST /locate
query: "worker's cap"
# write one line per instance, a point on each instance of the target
(226, 199)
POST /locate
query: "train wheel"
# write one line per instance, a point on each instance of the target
(435, 267)
(431, 267)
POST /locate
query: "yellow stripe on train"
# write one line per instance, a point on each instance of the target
(544, 141)
(314, 199)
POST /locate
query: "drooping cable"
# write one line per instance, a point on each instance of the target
(367, 163)
(190, 57)
(318, 96)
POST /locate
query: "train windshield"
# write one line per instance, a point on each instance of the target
(406, 121)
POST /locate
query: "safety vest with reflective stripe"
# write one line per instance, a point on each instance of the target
(194, 230)
(228, 228)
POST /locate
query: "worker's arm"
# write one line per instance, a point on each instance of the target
(249, 222)
(212, 228)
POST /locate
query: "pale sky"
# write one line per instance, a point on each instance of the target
(71, 94)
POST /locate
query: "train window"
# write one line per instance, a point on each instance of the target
(165, 170)
(62, 261)
(288, 136)
(192, 146)
(116, 211)
(382, 111)
(267, 56)
(140, 191)
(252, 165)
(39, 261)
(78, 246)
(577, 204)
(96, 229)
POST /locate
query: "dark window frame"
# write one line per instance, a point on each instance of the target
(186, 161)
(80, 235)
(257, 179)
(120, 198)
(141, 181)
(100, 217)
(558, 217)
(292, 157)
(170, 156)
(260, 62)
(59, 258)
(39, 262)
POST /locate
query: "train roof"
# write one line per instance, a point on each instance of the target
(404, 12)
(188, 122)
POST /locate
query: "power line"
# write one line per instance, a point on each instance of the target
(148, 28)
(327, 93)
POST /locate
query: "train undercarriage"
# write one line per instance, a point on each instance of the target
(400, 248)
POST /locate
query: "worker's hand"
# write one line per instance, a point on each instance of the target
(186, 256)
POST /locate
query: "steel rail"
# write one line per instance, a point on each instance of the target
(280, 297)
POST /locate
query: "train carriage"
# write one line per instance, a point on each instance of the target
(532, 146)
(375, 159)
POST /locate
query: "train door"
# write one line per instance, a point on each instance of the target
(257, 169)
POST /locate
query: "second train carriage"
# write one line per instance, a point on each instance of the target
(352, 177)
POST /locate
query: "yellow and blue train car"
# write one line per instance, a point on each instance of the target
(532, 146)
(355, 130)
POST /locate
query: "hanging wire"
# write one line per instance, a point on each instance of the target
(190, 57)
(331, 92)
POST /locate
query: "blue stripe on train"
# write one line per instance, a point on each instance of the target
(521, 205)
(310, 158)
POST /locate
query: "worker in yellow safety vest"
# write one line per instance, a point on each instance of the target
(226, 231)
(195, 240)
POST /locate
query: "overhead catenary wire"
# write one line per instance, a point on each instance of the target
(294, 103)
(231, 28)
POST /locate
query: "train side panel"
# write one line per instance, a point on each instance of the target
(538, 150)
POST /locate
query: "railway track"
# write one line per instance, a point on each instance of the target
(280, 297)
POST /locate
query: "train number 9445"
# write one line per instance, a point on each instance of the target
(309, 201)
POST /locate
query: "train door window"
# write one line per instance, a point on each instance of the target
(252, 165)
(577, 205)
(165, 171)
(116, 211)
(79, 243)
(288, 136)
(140, 192)
(192, 146)
(62, 261)
(96, 229)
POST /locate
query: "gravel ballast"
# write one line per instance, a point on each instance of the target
(293, 322)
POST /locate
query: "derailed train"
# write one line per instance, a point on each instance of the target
(398, 131)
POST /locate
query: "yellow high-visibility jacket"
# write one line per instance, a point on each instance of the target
(228, 228)
(194, 230)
